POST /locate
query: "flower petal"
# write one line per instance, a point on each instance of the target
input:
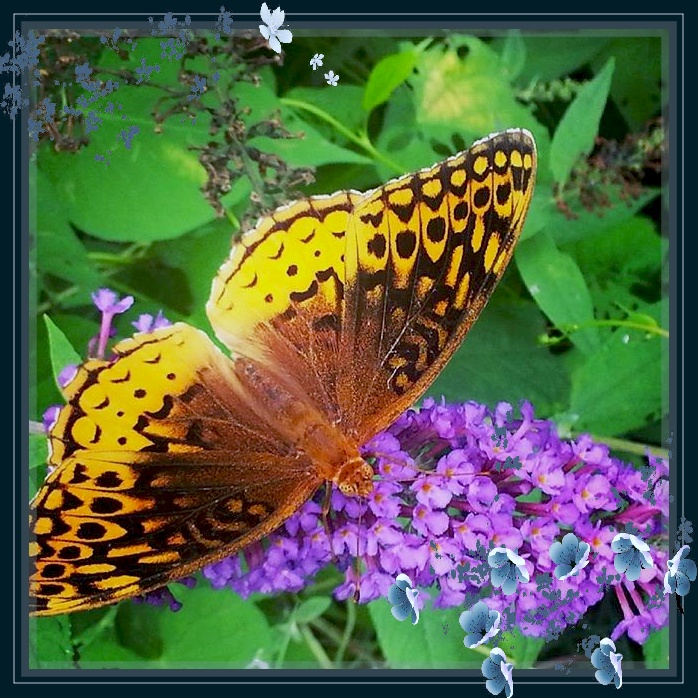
(401, 612)
(556, 551)
(688, 567)
(683, 586)
(278, 16)
(563, 571)
(274, 44)
(284, 36)
(621, 543)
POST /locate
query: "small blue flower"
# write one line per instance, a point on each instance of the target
(316, 60)
(498, 673)
(508, 569)
(608, 663)
(404, 597)
(681, 572)
(479, 623)
(632, 555)
(570, 556)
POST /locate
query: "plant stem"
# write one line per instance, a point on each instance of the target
(348, 630)
(631, 446)
(653, 329)
(315, 647)
(361, 140)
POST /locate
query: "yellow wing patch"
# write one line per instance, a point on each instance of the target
(292, 262)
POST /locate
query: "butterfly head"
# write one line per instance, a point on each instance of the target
(355, 477)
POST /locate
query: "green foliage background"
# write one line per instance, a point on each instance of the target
(579, 326)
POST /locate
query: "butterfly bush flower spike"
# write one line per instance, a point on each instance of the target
(498, 673)
(570, 556)
(479, 623)
(404, 598)
(316, 60)
(110, 305)
(681, 572)
(50, 416)
(608, 663)
(508, 569)
(332, 78)
(271, 29)
(631, 555)
(464, 479)
(150, 323)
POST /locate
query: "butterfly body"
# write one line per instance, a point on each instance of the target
(338, 313)
(334, 457)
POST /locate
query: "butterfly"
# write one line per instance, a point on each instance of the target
(338, 312)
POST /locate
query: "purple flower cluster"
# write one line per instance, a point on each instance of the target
(457, 481)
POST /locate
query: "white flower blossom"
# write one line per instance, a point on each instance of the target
(272, 32)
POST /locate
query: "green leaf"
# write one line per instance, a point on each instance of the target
(193, 260)
(387, 75)
(622, 385)
(622, 264)
(471, 95)
(212, 629)
(148, 192)
(552, 56)
(59, 251)
(587, 224)
(311, 609)
(575, 134)
(523, 651)
(310, 149)
(558, 287)
(501, 360)
(138, 627)
(342, 103)
(107, 652)
(152, 190)
(631, 247)
(62, 352)
(50, 645)
(513, 54)
(656, 649)
(104, 642)
(38, 454)
(638, 94)
(436, 642)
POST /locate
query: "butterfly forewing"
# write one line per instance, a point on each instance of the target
(161, 465)
(424, 254)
